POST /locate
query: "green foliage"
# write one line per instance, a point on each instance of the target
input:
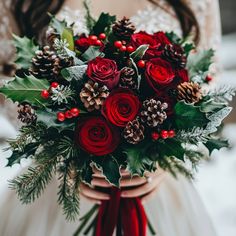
(188, 47)
(210, 105)
(139, 52)
(26, 89)
(90, 21)
(138, 161)
(57, 25)
(17, 155)
(91, 53)
(217, 144)
(173, 37)
(49, 118)
(68, 195)
(26, 49)
(67, 35)
(74, 73)
(104, 23)
(189, 116)
(111, 170)
(30, 185)
(87, 173)
(198, 65)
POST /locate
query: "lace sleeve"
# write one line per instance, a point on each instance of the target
(7, 26)
(208, 15)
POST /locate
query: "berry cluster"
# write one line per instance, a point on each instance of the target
(69, 114)
(164, 134)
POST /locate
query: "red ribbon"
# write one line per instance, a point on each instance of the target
(131, 211)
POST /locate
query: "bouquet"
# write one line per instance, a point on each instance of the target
(114, 98)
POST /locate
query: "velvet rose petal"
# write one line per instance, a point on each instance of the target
(96, 136)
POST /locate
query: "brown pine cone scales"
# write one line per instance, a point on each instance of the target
(153, 112)
(44, 64)
(93, 95)
(128, 78)
(189, 92)
(134, 132)
(123, 29)
(175, 54)
(26, 114)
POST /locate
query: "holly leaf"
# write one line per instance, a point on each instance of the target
(17, 156)
(171, 148)
(216, 144)
(67, 35)
(173, 37)
(25, 51)
(199, 63)
(211, 105)
(58, 25)
(87, 174)
(111, 169)
(103, 24)
(74, 73)
(26, 89)
(139, 52)
(188, 47)
(49, 118)
(189, 116)
(91, 53)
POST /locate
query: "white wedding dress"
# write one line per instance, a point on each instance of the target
(176, 210)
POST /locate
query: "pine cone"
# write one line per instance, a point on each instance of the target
(127, 79)
(153, 113)
(93, 95)
(62, 63)
(123, 29)
(26, 114)
(175, 54)
(189, 92)
(134, 132)
(44, 64)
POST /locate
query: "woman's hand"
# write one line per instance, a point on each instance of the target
(144, 187)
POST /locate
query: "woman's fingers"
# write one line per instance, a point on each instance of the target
(89, 192)
(135, 181)
(143, 189)
(100, 182)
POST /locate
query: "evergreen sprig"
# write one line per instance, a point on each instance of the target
(68, 195)
(30, 185)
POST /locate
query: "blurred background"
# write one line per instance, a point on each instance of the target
(216, 179)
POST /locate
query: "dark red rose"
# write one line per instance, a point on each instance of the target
(182, 75)
(159, 74)
(156, 43)
(96, 136)
(161, 38)
(104, 71)
(121, 106)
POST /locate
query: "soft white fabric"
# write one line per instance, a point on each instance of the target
(176, 210)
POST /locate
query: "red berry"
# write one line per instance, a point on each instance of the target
(164, 134)
(45, 94)
(209, 78)
(75, 112)
(171, 134)
(130, 49)
(93, 37)
(61, 116)
(141, 64)
(102, 36)
(68, 115)
(54, 85)
(77, 42)
(123, 48)
(98, 43)
(118, 44)
(155, 136)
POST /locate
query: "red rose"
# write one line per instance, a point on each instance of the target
(120, 107)
(182, 74)
(161, 38)
(159, 73)
(156, 43)
(104, 71)
(95, 136)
